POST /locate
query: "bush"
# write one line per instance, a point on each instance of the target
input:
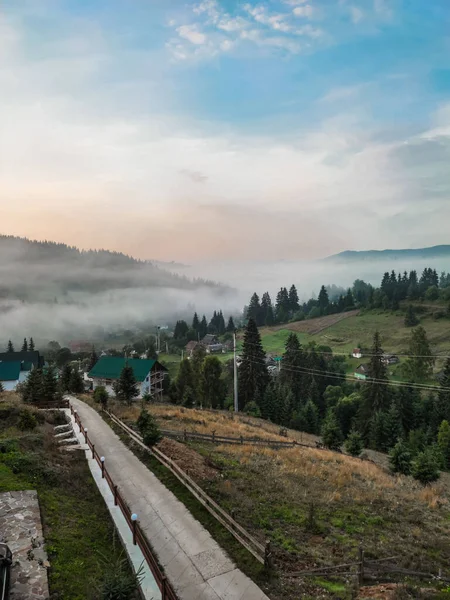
(119, 582)
(252, 409)
(425, 467)
(400, 458)
(354, 444)
(101, 395)
(27, 420)
(331, 433)
(148, 428)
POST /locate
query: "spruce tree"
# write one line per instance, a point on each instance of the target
(212, 388)
(425, 467)
(410, 318)
(76, 385)
(310, 417)
(400, 458)
(64, 380)
(282, 307)
(126, 387)
(24, 345)
(444, 442)
(291, 375)
(49, 390)
(93, 359)
(331, 433)
(254, 310)
(267, 310)
(375, 395)
(393, 426)
(195, 323)
(253, 374)
(419, 365)
(10, 346)
(31, 345)
(354, 444)
(230, 326)
(184, 380)
(323, 300)
(294, 305)
(203, 327)
(442, 403)
(220, 323)
(196, 364)
(268, 402)
(32, 388)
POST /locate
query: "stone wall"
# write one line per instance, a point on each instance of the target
(21, 529)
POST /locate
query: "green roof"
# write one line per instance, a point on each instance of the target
(110, 367)
(9, 371)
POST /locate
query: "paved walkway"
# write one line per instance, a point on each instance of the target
(194, 563)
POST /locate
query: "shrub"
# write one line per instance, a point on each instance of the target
(119, 582)
(252, 409)
(354, 444)
(425, 467)
(101, 395)
(27, 420)
(331, 433)
(148, 428)
(400, 458)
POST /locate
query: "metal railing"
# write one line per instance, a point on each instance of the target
(167, 592)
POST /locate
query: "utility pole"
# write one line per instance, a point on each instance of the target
(236, 404)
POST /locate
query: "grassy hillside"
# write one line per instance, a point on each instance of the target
(315, 506)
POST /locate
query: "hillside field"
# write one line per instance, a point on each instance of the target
(316, 506)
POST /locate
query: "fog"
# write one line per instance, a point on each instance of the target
(55, 292)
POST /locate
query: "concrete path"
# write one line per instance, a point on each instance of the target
(194, 563)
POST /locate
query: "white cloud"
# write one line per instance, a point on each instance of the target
(192, 34)
(232, 24)
(226, 45)
(356, 14)
(303, 11)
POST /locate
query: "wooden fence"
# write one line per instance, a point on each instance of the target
(220, 439)
(262, 553)
(56, 405)
(167, 592)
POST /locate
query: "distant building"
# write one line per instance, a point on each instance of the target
(390, 359)
(16, 366)
(149, 374)
(190, 347)
(357, 353)
(212, 344)
(362, 372)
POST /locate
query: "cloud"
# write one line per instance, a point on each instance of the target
(192, 34)
(303, 11)
(356, 14)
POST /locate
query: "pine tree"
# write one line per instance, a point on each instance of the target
(126, 387)
(282, 306)
(442, 404)
(64, 380)
(230, 326)
(254, 310)
(213, 390)
(323, 300)
(294, 305)
(393, 426)
(31, 345)
(32, 388)
(425, 467)
(49, 385)
(148, 428)
(184, 380)
(444, 442)
(10, 346)
(76, 385)
(378, 431)
(253, 374)
(196, 364)
(195, 323)
(406, 399)
(310, 417)
(375, 393)
(92, 359)
(286, 407)
(268, 403)
(180, 331)
(331, 433)
(220, 323)
(354, 444)
(400, 458)
(267, 310)
(203, 327)
(25, 345)
(290, 375)
(410, 318)
(419, 365)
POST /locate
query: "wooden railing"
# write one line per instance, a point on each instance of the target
(261, 552)
(220, 439)
(167, 592)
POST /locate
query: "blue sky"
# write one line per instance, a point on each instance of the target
(225, 129)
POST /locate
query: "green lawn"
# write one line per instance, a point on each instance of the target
(78, 530)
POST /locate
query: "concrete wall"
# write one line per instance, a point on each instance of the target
(143, 387)
(9, 386)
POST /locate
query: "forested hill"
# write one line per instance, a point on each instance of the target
(35, 270)
(442, 251)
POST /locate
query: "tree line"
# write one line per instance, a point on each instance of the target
(311, 394)
(184, 333)
(394, 288)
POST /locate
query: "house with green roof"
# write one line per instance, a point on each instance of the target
(149, 374)
(9, 375)
(16, 366)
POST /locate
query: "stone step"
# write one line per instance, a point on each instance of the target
(62, 427)
(72, 440)
(64, 434)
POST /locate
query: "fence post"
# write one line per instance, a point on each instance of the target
(268, 556)
(93, 451)
(361, 566)
(115, 495)
(185, 435)
(102, 460)
(85, 436)
(213, 436)
(134, 521)
(242, 440)
(164, 588)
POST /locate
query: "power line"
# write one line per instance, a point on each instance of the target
(343, 377)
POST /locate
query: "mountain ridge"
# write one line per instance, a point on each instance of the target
(439, 251)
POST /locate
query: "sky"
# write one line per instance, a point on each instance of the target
(226, 130)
